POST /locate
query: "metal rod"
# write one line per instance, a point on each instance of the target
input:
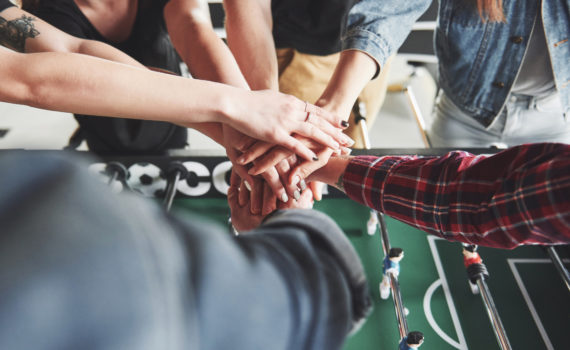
(171, 190)
(383, 233)
(113, 177)
(418, 115)
(394, 284)
(493, 315)
(559, 265)
(364, 131)
(398, 305)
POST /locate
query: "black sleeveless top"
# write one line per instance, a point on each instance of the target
(4, 4)
(310, 26)
(149, 44)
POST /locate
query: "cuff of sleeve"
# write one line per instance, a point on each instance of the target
(366, 41)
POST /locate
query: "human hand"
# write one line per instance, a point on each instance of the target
(239, 203)
(278, 155)
(261, 196)
(274, 117)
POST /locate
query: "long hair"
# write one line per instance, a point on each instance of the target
(491, 10)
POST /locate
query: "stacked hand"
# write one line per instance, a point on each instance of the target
(269, 176)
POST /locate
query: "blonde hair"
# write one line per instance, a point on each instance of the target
(491, 10)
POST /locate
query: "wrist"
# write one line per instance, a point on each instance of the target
(337, 106)
(226, 106)
(332, 171)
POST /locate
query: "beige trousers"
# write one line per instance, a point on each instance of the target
(306, 77)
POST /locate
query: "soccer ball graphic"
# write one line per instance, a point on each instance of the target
(146, 179)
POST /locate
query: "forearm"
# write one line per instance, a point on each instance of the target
(206, 55)
(353, 71)
(472, 198)
(380, 27)
(87, 85)
(250, 38)
(30, 34)
(102, 50)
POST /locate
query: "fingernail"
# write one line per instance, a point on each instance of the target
(284, 197)
(297, 195)
(336, 145)
(247, 185)
(346, 150)
(315, 158)
(296, 180)
(344, 123)
(241, 160)
(303, 185)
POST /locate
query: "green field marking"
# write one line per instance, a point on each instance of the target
(419, 272)
(512, 308)
(544, 293)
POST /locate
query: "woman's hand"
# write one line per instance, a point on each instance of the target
(275, 117)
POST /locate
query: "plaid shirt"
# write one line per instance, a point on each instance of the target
(518, 196)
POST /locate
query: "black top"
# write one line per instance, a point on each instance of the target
(310, 26)
(4, 4)
(149, 44)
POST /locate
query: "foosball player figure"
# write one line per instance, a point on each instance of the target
(475, 267)
(470, 255)
(391, 264)
(412, 341)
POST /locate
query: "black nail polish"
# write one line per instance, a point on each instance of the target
(344, 123)
(315, 158)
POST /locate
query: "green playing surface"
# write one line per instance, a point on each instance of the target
(530, 296)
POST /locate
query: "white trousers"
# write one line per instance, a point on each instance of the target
(524, 119)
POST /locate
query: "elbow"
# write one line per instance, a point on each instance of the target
(192, 15)
(35, 91)
(19, 90)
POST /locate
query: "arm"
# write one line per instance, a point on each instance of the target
(380, 27)
(191, 31)
(353, 71)
(196, 277)
(88, 85)
(23, 32)
(518, 196)
(249, 29)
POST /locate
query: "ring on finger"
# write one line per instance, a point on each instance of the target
(308, 117)
(306, 106)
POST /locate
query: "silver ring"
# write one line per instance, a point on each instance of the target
(306, 106)
(308, 117)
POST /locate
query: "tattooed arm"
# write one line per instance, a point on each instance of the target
(25, 33)
(15, 32)
(87, 85)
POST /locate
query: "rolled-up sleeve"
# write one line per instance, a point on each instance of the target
(518, 196)
(380, 27)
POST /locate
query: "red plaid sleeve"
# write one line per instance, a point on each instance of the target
(518, 196)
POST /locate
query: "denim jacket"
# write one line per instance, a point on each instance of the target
(478, 61)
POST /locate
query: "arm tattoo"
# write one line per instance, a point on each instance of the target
(340, 183)
(13, 34)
